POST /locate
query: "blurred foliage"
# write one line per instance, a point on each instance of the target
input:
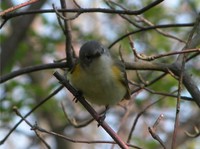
(44, 42)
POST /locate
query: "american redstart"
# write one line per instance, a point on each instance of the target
(98, 76)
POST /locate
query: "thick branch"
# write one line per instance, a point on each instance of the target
(147, 66)
(187, 80)
(188, 83)
(193, 42)
(31, 69)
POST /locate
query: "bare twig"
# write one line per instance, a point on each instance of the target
(123, 16)
(73, 122)
(82, 10)
(68, 40)
(63, 17)
(173, 145)
(159, 30)
(152, 131)
(2, 13)
(29, 69)
(3, 23)
(194, 135)
(77, 5)
(158, 121)
(31, 111)
(94, 114)
(150, 28)
(59, 18)
(153, 57)
(137, 118)
(172, 74)
(136, 59)
(167, 94)
(150, 83)
(35, 130)
(193, 56)
(89, 10)
(189, 83)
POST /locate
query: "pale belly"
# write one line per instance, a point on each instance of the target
(100, 88)
(103, 91)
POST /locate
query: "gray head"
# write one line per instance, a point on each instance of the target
(90, 51)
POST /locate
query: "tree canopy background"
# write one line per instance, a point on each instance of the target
(164, 72)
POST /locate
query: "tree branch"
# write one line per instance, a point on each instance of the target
(86, 10)
(187, 81)
(31, 111)
(29, 69)
(95, 115)
(2, 13)
(151, 28)
(68, 40)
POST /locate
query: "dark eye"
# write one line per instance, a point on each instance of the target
(102, 50)
(88, 57)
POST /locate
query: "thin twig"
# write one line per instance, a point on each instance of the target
(68, 39)
(3, 23)
(150, 83)
(31, 111)
(173, 145)
(174, 53)
(123, 16)
(195, 30)
(194, 135)
(167, 94)
(2, 13)
(153, 57)
(36, 132)
(180, 62)
(77, 5)
(137, 118)
(73, 121)
(36, 128)
(58, 18)
(150, 28)
(89, 10)
(193, 56)
(159, 30)
(63, 17)
(157, 121)
(152, 131)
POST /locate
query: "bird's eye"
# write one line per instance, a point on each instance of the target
(88, 57)
(102, 50)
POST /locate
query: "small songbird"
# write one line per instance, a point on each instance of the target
(98, 76)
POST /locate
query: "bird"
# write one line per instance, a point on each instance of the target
(98, 76)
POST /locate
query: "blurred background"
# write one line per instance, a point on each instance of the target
(29, 40)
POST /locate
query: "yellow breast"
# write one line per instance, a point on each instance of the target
(101, 86)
